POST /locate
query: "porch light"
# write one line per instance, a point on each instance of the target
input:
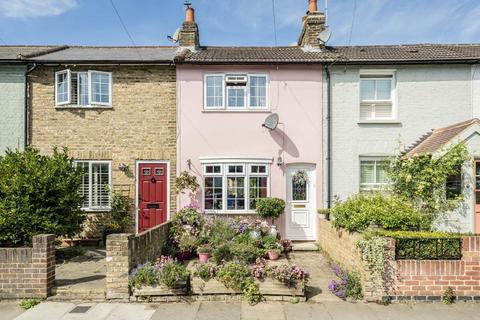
(123, 167)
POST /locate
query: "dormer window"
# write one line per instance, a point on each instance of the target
(233, 92)
(83, 89)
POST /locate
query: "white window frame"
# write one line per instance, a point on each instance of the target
(247, 106)
(367, 187)
(224, 163)
(381, 73)
(90, 162)
(91, 103)
(205, 106)
(90, 92)
(69, 98)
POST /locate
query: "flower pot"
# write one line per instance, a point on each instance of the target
(204, 257)
(272, 255)
(274, 231)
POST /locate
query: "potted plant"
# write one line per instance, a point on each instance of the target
(119, 217)
(272, 247)
(187, 245)
(324, 214)
(204, 253)
(270, 208)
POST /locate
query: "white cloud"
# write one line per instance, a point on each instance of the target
(35, 8)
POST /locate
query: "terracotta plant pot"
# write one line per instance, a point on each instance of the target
(272, 255)
(204, 257)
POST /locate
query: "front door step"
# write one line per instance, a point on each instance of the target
(304, 246)
(77, 294)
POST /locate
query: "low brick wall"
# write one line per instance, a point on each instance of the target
(28, 272)
(124, 251)
(341, 246)
(428, 279)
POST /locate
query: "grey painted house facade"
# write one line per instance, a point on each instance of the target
(379, 109)
(12, 104)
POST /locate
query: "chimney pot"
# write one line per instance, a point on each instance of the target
(190, 15)
(312, 6)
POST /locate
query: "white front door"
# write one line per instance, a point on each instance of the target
(301, 199)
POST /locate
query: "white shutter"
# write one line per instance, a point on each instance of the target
(383, 111)
(366, 112)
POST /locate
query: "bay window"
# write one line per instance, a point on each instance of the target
(96, 182)
(235, 91)
(234, 187)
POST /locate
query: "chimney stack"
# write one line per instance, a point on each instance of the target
(312, 24)
(189, 34)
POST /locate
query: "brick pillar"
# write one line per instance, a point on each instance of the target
(118, 266)
(43, 265)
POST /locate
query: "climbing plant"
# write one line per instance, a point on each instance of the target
(421, 179)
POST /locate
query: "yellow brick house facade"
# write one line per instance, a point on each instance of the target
(112, 113)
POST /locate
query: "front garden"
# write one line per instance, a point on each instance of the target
(209, 257)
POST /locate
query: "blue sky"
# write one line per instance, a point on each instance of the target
(237, 22)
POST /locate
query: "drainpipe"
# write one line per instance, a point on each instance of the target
(26, 113)
(329, 138)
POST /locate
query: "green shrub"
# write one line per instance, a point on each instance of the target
(245, 253)
(38, 194)
(270, 207)
(144, 275)
(120, 215)
(222, 253)
(29, 303)
(251, 292)
(354, 286)
(233, 275)
(413, 234)
(358, 212)
(172, 273)
(205, 271)
(221, 231)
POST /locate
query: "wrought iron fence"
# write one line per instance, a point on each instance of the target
(428, 249)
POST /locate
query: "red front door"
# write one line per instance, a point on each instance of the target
(152, 195)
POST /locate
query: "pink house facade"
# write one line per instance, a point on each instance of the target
(235, 158)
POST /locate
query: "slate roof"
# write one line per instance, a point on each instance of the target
(422, 53)
(90, 54)
(12, 53)
(437, 138)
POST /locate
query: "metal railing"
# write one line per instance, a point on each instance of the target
(428, 249)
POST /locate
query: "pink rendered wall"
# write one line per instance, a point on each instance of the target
(295, 93)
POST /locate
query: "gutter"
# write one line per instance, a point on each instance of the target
(329, 137)
(26, 112)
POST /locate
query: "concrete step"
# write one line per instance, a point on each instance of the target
(77, 294)
(304, 246)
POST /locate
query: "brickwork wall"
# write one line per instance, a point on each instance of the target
(428, 279)
(28, 272)
(341, 246)
(124, 251)
(140, 125)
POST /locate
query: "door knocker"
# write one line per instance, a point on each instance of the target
(153, 180)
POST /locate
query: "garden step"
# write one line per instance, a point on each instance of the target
(77, 294)
(304, 246)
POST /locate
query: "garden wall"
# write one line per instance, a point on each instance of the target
(28, 272)
(428, 279)
(124, 251)
(341, 246)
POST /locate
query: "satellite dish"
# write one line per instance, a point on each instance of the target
(324, 36)
(175, 36)
(271, 122)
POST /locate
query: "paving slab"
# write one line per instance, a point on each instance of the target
(131, 311)
(175, 311)
(96, 311)
(219, 311)
(47, 311)
(302, 311)
(263, 311)
(9, 310)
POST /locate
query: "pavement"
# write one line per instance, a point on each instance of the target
(330, 310)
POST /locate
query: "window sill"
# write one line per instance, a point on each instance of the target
(236, 111)
(89, 107)
(379, 122)
(96, 210)
(232, 212)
